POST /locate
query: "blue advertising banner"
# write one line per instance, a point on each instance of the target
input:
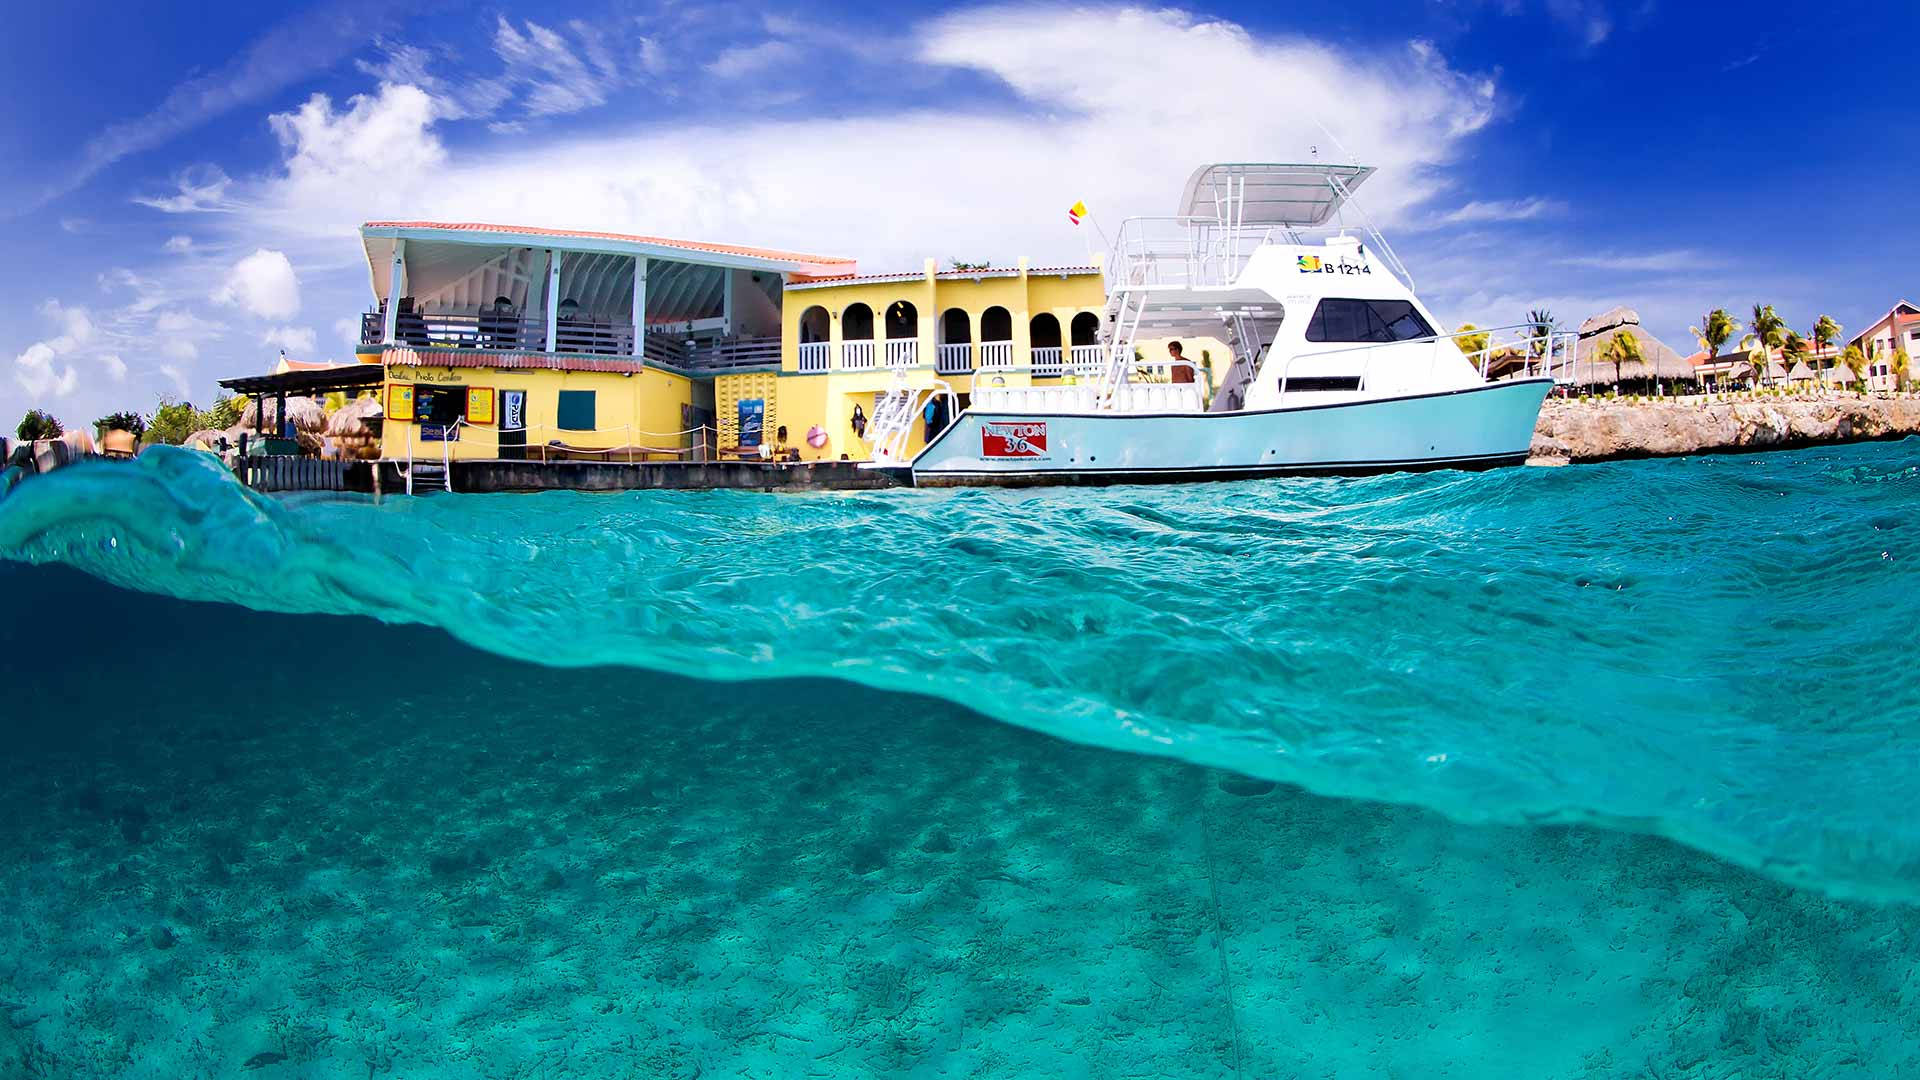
(753, 420)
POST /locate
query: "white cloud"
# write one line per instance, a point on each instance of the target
(199, 190)
(182, 349)
(178, 245)
(116, 367)
(1643, 261)
(558, 75)
(1485, 212)
(748, 59)
(815, 184)
(36, 372)
(263, 283)
(179, 380)
(347, 329)
(286, 53)
(1589, 18)
(293, 339)
(40, 368)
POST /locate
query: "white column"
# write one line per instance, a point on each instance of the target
(639, 305)
(396, 279)
(726, 303)
(553, 298)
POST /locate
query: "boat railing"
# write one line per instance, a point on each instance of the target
(1206, 251)
(1522, 350)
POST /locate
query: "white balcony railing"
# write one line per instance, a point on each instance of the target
(856, 355)
(954, 359)
(903, 352)
(1088, 358)
(1046, 360)
(815, 355)
(996, 355)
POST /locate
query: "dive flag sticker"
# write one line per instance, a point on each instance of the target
(1024, 439)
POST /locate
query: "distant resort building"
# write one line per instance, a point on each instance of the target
(510, 342)
(1898, 329)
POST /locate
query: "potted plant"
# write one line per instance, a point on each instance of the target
(120, 433)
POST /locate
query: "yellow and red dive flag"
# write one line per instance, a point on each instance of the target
(1076, 212)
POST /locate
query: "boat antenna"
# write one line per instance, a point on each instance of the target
(1335, 139)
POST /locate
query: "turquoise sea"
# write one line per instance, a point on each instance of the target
(1603, 771)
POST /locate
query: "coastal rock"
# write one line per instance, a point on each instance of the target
(1589, 430)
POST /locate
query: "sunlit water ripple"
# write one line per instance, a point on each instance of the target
(1718, 650)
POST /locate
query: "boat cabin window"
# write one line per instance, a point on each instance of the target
(1367, 321)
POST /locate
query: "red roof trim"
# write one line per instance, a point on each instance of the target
(584, 234)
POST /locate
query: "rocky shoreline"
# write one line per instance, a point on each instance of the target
(1582, 430)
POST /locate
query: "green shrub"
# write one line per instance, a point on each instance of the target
(121, 421)
(38, 424)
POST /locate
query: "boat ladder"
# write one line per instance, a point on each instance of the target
(440, 473)
(894, 414)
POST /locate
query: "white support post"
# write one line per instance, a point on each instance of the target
(396, 278)
(553, 298)
(639, 305)
(726, 303)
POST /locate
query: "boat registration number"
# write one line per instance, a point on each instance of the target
(1025, 439)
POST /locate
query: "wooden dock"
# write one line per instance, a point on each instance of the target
(481, 476)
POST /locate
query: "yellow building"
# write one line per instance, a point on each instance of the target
(500, 342)
(843, 338)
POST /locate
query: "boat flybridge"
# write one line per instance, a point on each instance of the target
(1336, 366)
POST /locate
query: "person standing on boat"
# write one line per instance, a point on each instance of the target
(1182, 369)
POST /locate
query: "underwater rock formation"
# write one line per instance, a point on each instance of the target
(1589, 430)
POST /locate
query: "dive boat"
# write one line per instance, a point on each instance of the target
(1337, 367)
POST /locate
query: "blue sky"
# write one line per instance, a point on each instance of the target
(185, 186)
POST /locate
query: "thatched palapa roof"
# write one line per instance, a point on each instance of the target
(1659, 361)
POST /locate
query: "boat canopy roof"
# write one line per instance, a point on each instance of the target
(1254, 193)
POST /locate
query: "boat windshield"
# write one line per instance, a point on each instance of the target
(1367, 321)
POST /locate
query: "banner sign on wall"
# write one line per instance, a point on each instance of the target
(753, 421)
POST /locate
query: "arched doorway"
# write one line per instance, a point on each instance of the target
(903, 334)
(996, 339)
(1086, 342)
(1044, 334)
(856, 337)
(815, 329)
(955, 343)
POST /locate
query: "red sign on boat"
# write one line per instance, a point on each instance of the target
(1026, 439)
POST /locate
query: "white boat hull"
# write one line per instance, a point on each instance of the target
(1480, 427)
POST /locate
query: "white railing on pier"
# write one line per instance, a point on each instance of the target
(903, 352)
(815, 355)
(996, 355)
(1046, 360)
(856, 355)
(954, 359)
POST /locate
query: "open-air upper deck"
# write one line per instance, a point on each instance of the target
(465, 293)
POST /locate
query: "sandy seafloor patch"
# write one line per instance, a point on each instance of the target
(337, 850)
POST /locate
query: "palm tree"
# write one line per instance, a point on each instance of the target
(1540, 322)
(1853, 359)
(1621, 350)
(1764, 331)
(1898, 367)
(1714, 331)
(1825, 332)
